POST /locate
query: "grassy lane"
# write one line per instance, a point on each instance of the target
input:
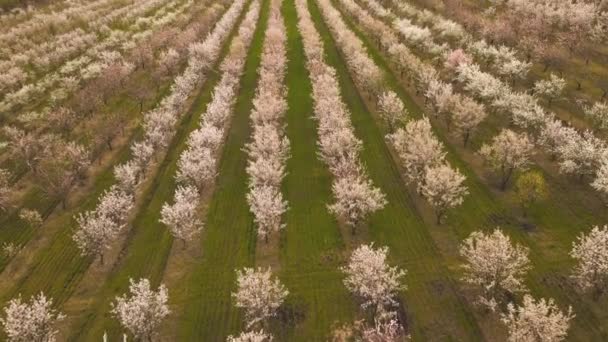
(557, 223)
(311, 240)
(146, 252)
(229, 238)
(436, 310)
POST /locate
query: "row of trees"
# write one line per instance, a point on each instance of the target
(419, 151)
(92, 235)
(354, 193)
(197, 165)
(269, 147)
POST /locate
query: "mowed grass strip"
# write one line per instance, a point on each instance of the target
(557, 221)
(434, 307)
(311, 244)
(229, 237)
(147, 250)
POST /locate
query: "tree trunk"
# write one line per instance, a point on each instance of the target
(505, 179)
(439, 215)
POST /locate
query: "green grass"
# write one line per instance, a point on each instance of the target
(558, 221)
(311, 241)
(229, 239)
(433, 305)
(146, 252)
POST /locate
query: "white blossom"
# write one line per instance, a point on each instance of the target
(258, 294)
(536, 321)
(30, 322)
(369, 277)
(494, 264)
(143, 309)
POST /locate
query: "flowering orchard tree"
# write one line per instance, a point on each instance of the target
(95, 233)
(536, 321)
(258, 294)
(30, 322)
(181, 217)
(31, 216)
(391, 109)
(128, 176)
(554, 135)
(551, 88)
(582, 155)
(467, 115)
(143, 309)
(600, 183)
(267, 205)
(356, 198)
(494, 264)
(591, 254)
(599, 114)
(418, 148)
(369, 277)
(443, 188)
(251, 336)
(442, 98)
(509, 151)
(196, 166)
(455, 58)
(6, 189)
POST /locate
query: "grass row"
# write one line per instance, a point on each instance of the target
(228, 241)
(311, 247)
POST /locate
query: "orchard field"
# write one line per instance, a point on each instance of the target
(304, 170)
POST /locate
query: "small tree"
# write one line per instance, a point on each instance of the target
(530, 188)
(30, 322)
(94, 234)
(536, 321)
(494, 264)
(267, 205)
(467, 115)
(356, 199)
(417, 147)
(369, 277)
(143, 309)
(599, 114)
(509, 151)
(181, 217)
(31, 217)
(550, 88)
(591, 253)
(6, 189)
(443, 188)
(251, 336)
(258, 294)
(391, 109)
